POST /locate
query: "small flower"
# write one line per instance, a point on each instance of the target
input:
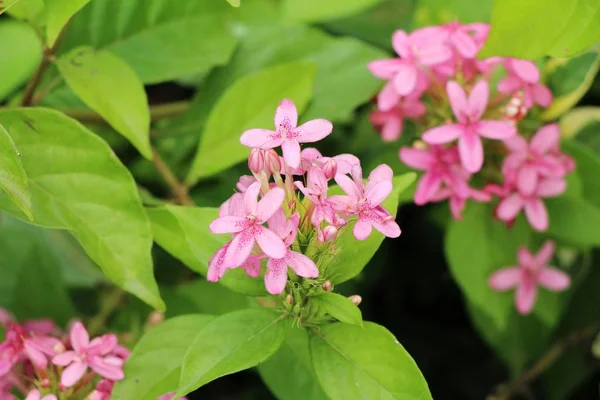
(524, 75)
(20, 342)
(317, 192)
(470, 126)
(287, 134)
(467, 39)
(458, 199)
(103, 390)
(533, 271)
(36, 395)
(390, 122)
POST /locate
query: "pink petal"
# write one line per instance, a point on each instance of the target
(228, 224)
(458, 100)
(527, 180)
(392, 129)
(302, 265)
(79, 337)
(381, 173)
(216, 265)
(457, 205)
(545, 138)
(413, 109)
(72, 374)
(428, 36)
(542, 95)
(505, 279)
(261, 138)
(388, 98)
(551, 187)
(345, 162)
(536, 214)
(544, 255)
(251, 198)
(5, 367)
(362, 229)
(510, 207)
(278, 222)
(35, 356)
(434, 54)
(554, 279)
(276, 276)
(384, 69)
(388, 227)
(252, 266)
(517, 143)
(342, 203)
(348, 186)
(526, 70)
(443, 134)
(236, 205)
(417, 158)
(313, 131)
(470, 149)
(270, 203)
(401, 43)
(378, 193)
(525, 297)
(525, 258)
(64, 359)
(239, 249)
(509, 84)
(107, 367)
(286, 114)
(32, 395)
(405, 79)
(496, 129)
(478, 99)
(464, 43)
(270, 243)
(291, 153)
(427, 187)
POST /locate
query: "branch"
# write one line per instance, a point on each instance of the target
(109, 304)
(157, 113)
(179, 191)
(508, 390)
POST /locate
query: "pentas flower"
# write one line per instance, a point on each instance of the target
(470, 126)
(36, 395)
(287, 133)
(21, 343)
(391, 122)
(311, 157)
(532, 271)
(524, 75)
(316, 191)
(466, 39)
(457, 199)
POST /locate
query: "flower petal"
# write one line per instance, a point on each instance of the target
(443, 134)
(362, 229)
(378, 192)
(72, 374)
(405, 80)
(545, 138)
(388, 97)
(428, 186)
(291, 153)
(542, 95)
(525, 69)
(381, 173)
(228, 224)
(470, 149)
(387, 227)
(302, 265)
(270, 243)
(108, 367)
(458, 100)
(276, 276)
(434, 54)
(527, 180)
(79, 337)
(510, 207)
(506, 278)
(496, 129)
(252, 266)
(464, 43)
(384, 69)
(216, 264)
(417, 158)
(251, 198)
(239, 249)
(348, 186)
(551, 187)
(478, 99)
(269, 204)
(525, 297)
(261, 138)
(391, 130)
(35, 356)
(525, 258)
(313, 131)
(554, 279)
(64, 359)
(536, 214)
(509, 84)
(401, 43)
(544, 255)
(286, 114)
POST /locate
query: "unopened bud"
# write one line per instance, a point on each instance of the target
(45, 383)
(330, 168)
(155, 318)
(272, 161)
(419, 144)
(356, 299)
(327, 286)
(256, 160)
(329, 233)
(59, 348)
(289, 299)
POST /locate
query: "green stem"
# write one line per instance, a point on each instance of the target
(157, 113)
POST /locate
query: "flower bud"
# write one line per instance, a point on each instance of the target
(272, 162)
(155, 318)
(330, 168)
(289, 299)
(327, 286)
(256, 160)
(329, 233)
(356, 299)
(420, 145)
(59, 348)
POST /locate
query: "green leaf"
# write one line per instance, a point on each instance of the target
(77, 183)
(364, 363)
(574, 221)
(577, 119)
(154, 366)
(339, 307)
(569, 80)
(234, 3)
(220, 146)
(230, 343)
(31, 11)
(534, 28)
(20, 55)
(289, 373)
(6, 4)
(587, 168)
(184, 233)
(161, 40)
(29, 267)
(436, 12)
(13, 179)
(354, 255)
(317, 11)
(58, 13)
(111, 88)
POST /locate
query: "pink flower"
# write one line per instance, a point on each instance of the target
(36, 395)
(533, 270)
(86, 354)
(103, 390)
(364, 201)
(276, 275)
(470, 127)
(423, 47)
(317, 192)
(287, 134)
(170, 396)
(20, 343)
(391, 122)
(534, 207)
(467, 39)
(524, 75)
(312, 157)
(458, 198)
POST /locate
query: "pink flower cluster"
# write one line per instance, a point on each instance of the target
(269, 220)
(469, 134)
(41, 362)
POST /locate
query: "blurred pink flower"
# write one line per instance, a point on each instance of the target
(170, 396)
(35, 395)
(524, 75)
(466, 39)
(390, 122)
(20, 343)
(533, 271)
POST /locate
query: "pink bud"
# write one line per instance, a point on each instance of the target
(330, 233)
(289, 299)
(272, 162)
(155, 318)
(330, 168)
(327, 286)
(356, 299)
(256, 161)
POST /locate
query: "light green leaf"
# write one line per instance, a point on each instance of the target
(364, 363)
(534, 28)
(354, 255)
(13, 179)
(289, 373)
(220, 146)
(77, 183)
(111, 88)
(30, 11)
(230, 343)
(339, 307)
(20, 55)
(58, 13)
(317, 10)
(587, 168)
(234, 3)
(569, 80)
(6, 4)
(436, 12)
(184, 233)
(578, 118)
(154, 366)
(574, 221)
(161, 40)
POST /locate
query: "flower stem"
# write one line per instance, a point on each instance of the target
(179, 191)
(108, 305)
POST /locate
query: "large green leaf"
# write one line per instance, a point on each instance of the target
(249, 103)
(13, 179)
(574, 221)
(77, 183)
(353, 254)
(588, 169)
(58, 13)
(231, 343)
(111, 88)
(573, 122)
(184, 233)
(20, 55)
(317, 10)
(364, 363)
(31, 11)
(289, 373)
(154, 366)
(339, 307)
(534, 28)
(436, 12)
(161, 40)
(6, 4)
